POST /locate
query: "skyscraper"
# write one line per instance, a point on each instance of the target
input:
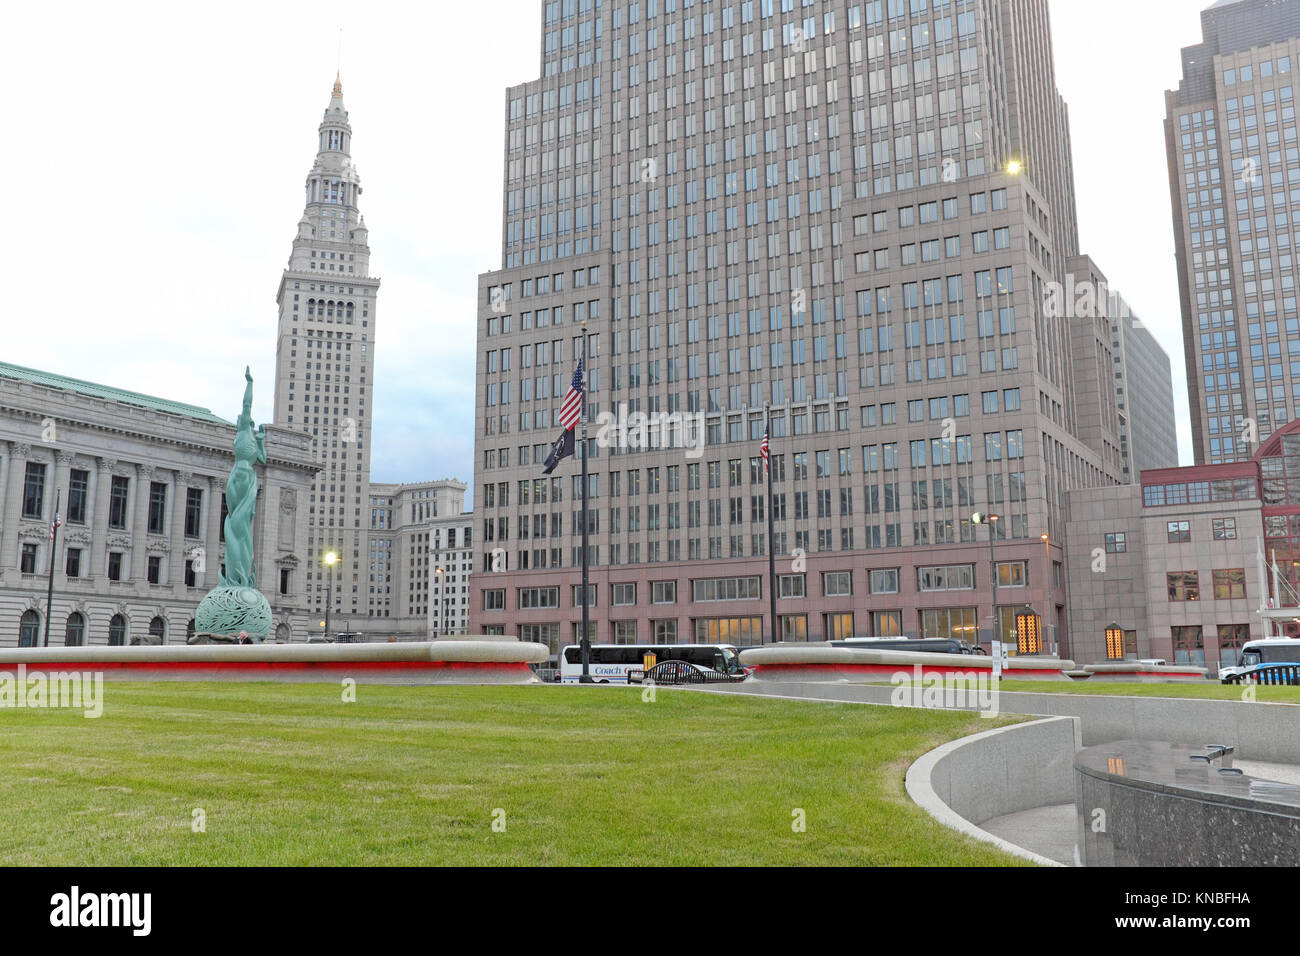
(1145, 391)
(853, 212)
(325, 363)
(1234, 182)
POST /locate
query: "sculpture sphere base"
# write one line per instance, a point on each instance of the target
(228, 610)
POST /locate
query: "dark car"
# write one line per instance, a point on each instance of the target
(930, 645)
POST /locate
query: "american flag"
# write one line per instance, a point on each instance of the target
(571, 410)
(763, 450)
(55, 525)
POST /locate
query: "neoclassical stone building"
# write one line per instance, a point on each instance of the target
(421, 556)
(140, 488)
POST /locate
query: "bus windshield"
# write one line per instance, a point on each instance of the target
(730, 661)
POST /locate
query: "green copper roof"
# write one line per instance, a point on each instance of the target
(49, 380)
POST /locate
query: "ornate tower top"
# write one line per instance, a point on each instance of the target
(335, 133)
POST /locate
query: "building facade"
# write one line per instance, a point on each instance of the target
(1183, 562)
(325, 366)
(453, 565)
(1234, 180)
(853, 215)
(419, 541)
(1144, 392)
(139, 485)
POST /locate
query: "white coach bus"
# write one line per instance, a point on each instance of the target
(610, 663)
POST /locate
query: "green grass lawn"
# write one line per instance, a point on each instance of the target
(1210, 690)
(288, 774)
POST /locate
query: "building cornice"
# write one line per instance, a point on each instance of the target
(220, 445)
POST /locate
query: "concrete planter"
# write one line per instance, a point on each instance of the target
(427, 662)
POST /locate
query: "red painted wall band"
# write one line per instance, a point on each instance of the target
(41, 667)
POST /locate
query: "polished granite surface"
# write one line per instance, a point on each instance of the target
(1152, 803)
(1177, 768)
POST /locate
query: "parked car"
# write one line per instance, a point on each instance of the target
(683, 672)
(931, 645)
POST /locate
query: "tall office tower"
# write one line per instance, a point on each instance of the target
(1234, 183)
(325, 361)
(1144, 389)
(1133, 424)
(852, 211)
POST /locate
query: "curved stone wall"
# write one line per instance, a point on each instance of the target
(966, 782)
(818, 662)
(430, 662)
(1139, 673)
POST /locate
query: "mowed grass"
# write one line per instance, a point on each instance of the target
(289, 774)
(1209, 690)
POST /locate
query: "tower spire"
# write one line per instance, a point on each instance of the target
(327, 294)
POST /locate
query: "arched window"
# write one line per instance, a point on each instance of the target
(29, 629)
(158, 629)
(117, 631)
(311, 306)
(76, 632)
(349, 311)
(330, 308)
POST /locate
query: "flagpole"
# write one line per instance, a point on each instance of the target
(586, 594)
(771, 533)
(54, 548)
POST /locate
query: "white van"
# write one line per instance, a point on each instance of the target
(1272, 650)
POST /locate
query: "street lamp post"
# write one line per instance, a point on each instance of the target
(980, 517)
(331, 559)
(1048, 583)
(437, 601)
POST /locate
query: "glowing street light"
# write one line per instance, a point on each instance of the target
(437, 598)
(331, 559)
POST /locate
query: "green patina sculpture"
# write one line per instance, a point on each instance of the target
(241, 495)
(237, 606)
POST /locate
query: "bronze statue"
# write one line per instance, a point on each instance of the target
(236, 611)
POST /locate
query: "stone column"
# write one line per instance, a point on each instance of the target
(140, 525)
(178, 547)
(212, 539)
(19, 452)
(62, 469)
(99, 521)
(10, 501)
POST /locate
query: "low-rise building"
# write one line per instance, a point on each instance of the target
(419, 539)
(1183, 562)
(139, 484)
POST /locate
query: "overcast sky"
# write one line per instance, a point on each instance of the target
(156, 153)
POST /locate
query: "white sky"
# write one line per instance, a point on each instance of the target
(156, 153)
